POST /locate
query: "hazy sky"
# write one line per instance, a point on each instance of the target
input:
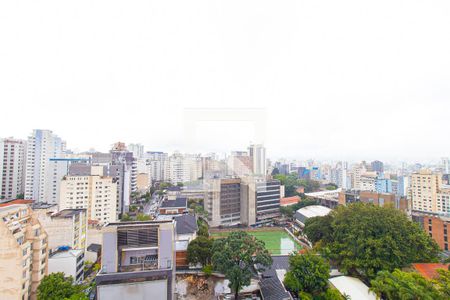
(328, 79)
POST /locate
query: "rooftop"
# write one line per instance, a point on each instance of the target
(314, 211)
(271, 284)
(186, 224)
(178, 202)
(429, 270)
(353, 287)
(66, 253)
(4, 203)
(289, 200)
(67, 213)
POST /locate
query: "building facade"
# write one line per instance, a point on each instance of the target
(96, 194)
(23, 252)
(43, 175)
(138, 258)
(222, 201)
(12, 168)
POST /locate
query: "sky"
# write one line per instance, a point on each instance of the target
(309, 79)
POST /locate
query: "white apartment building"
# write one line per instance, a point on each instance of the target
(68, 261)
(157, 163)
(12, 168)
(424, 189)
(23, 252)
(137, 149)
(43, 176)
(97, 194)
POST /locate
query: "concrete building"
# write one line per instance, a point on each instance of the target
(239, 164)
(12, 168)
(23, 252)
(157, 163)
(260, 201)
(137, 150)
(258, 155)
(97, 194)
(143, 182)
(123, 169)
(138, 258)
(377, 166)
(43, 175)
(424, 189)
(67, 227)
(436, 226)
(68, 261)
(222, 201)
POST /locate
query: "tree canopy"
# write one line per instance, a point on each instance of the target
(56, 287)
(199, 251)
(235, 256)
(307, 273)
(363, 239)
(405, 285)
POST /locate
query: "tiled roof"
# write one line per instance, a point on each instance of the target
(429, 270)
(16, 201)
(289, 200)
(271, 286)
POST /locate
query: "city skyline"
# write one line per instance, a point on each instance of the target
(328, 88)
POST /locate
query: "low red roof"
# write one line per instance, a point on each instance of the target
(16, 201)
(429, 271)
(289, 200)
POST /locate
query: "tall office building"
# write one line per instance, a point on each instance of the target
(260, 200)
(23, 252)
(12, 168)
(258, 155)
(42, 174)
(95, 193)
(222, 201)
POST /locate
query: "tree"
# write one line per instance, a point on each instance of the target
(318, 228)
(404, 285)
(143, 217)
(275, 171)
(199, 251)
(235, 256)
(56, 287)
(203, 229)
(290, 183)
(365, 239)
(307, 273)
(126, 217)
(443, 283)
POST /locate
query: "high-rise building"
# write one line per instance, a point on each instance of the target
(377, 166)
(97, 194)
(138, 258)
(428, 194)
(42, 174)
(258, 155)
(446, 165)
(123, 169)
(222, 201)
(23, 252)
(157, 163)
(137, 149)
(12, 168)
(260, 201)
(240, 164)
